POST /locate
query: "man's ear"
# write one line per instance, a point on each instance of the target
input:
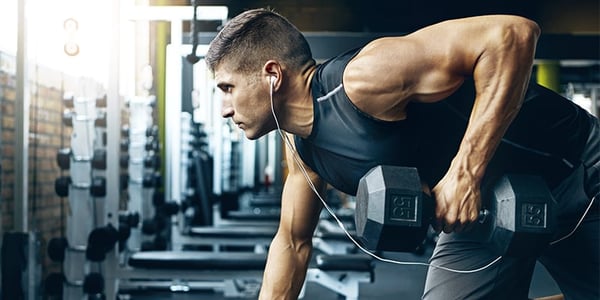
(272, 72)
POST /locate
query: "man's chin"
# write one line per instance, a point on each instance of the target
(253, 135)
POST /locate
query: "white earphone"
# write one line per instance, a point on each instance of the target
(273, 78)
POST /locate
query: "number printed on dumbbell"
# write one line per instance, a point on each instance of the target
(404, 208)
(534, 215)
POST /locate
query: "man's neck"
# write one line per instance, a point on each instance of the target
(297, 116)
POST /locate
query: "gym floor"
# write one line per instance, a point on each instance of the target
(391, 282)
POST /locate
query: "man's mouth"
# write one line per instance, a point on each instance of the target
(237, 124)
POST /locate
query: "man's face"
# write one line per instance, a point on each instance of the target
(246, 101)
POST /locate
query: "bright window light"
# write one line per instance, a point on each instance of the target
(58, 27)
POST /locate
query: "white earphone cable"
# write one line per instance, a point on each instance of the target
(578, 223)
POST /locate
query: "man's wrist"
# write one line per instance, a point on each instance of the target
(469, 165)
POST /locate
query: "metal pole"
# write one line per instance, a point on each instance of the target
(113, 118)
(21, 125)
(21, 187)
(173, 122)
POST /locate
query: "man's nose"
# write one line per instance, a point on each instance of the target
(226, 109)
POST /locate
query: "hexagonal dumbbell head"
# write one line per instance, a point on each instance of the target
(523, 209)
(392, 212)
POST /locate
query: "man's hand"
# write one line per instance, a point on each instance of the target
(458, 202)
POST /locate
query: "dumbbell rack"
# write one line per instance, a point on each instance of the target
(185, 150)
(142, 150)
(85, 187)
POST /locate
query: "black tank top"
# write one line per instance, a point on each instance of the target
(546, 137)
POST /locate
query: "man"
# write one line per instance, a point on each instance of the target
(452, 99)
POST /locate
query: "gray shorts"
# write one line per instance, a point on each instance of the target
(574, 262)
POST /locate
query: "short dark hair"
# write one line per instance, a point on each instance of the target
(251, 38)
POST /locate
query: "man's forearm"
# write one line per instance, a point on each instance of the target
(291, 249)
(285, 270)
(501, 76)
(501, 73)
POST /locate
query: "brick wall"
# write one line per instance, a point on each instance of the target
(46, 135)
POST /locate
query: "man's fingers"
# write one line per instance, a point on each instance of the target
(451, 222)
(440, 214)
(448, 228)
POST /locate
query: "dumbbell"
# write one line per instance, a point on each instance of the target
(124, 160)
(63, 158)
(104, 137)
(61, 186)
(393, 213)
(99, 159)
(101, 241)
(152, 160)
(100, 121)
(68, 100)
(152, 131)
(67, 117)
(123, 181)
(130, 218)
(93, 285)
(98, 188)
(158, 198)
(56, 249)
(152, 144)
(124, 234)
(53, 285)
(167, 209)
(124, 144)
(152, 180)
(125, 130)
(153, 225)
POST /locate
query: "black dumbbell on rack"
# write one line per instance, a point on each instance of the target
(93, 286)
(53, 286)
(56, 248)
(100, 242)
(61, 186)
(63, 158)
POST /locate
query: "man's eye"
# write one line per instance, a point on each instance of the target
(225, 88)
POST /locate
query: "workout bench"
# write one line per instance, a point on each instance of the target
(239, 274)
(257, 237)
